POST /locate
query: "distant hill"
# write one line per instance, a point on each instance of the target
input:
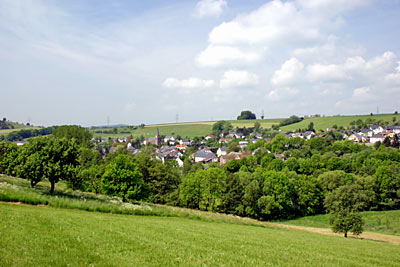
(322, 123)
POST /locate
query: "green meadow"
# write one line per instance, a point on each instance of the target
(189, 129)
(43, 236)
(384, 222)
(321, 123)
(47, 234)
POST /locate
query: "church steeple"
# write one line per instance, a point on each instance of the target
(158, 138)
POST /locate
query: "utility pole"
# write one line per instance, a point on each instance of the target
(177, 118)
(108, 121)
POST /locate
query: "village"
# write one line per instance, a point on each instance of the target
(236, 145)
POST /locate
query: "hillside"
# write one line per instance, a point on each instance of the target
(193, 129)
(70, 235)
(16, 127)
(188, 129)
(386, 222)
(321, 123)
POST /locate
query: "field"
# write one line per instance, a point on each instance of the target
(39, 236)
(17, 127)
(189, 129)
(193, 129)
(386, 222)
(321, 123)
(45, 235)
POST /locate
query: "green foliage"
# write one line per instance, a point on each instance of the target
(344, 203)
(80, 134)
(122, 178)
(246, 115)
(293, 119)
(221, 127)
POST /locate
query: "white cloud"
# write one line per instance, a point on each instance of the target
(238, 78)
(211, 8)
(321, 72)
(283, 93)
(217, 56)
(288, 73)
(271, 22)
(191, 83)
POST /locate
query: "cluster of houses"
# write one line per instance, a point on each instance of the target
(171, 148)
(374, 134)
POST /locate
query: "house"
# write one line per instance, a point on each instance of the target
(258, 135)
(205, 156)
(280, 156)
(225, 140)
(366, 132)
(181, 147)
(186, 142)
(221, 151)
(376, 129)
(393, 129)
(376, 138)
(253, 140)
(357, 138)
(243, 144)
(232, 156)
(21, 143)
(308, 134)
(169, 139)
(210, 137)
(153, 140)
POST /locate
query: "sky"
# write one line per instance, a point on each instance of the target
(90, 62)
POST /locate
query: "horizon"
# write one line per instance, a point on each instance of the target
(158, 62)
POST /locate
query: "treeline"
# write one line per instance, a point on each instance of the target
(292, 119)
(315, 176)
(27, 133)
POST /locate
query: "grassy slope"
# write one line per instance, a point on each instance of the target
(328, 122)
(183, 129)
(38, 236)
(17, 127)
(385, 222)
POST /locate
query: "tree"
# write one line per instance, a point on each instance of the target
(79, 133)
(122, 178)
(310, 126)
(344, 204)
(246, 115)
(221, 127)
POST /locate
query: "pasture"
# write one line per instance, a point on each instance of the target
(322, 123)
(65, 229)
(43, 236)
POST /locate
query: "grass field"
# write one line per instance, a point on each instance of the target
(321, 123)
(385, 222)
(17, 127)
(49, 234)
(42, 236)
(193, 129)
(189, 129)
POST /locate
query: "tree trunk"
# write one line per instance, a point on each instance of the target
(345, 234)
(32, 184)
(52, 187)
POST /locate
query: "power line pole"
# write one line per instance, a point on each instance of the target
(177, 118)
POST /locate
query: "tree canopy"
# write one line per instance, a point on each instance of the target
(246, 115)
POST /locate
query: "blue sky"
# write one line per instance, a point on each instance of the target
(79, 62)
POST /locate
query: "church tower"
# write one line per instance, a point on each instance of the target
(158, 138)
